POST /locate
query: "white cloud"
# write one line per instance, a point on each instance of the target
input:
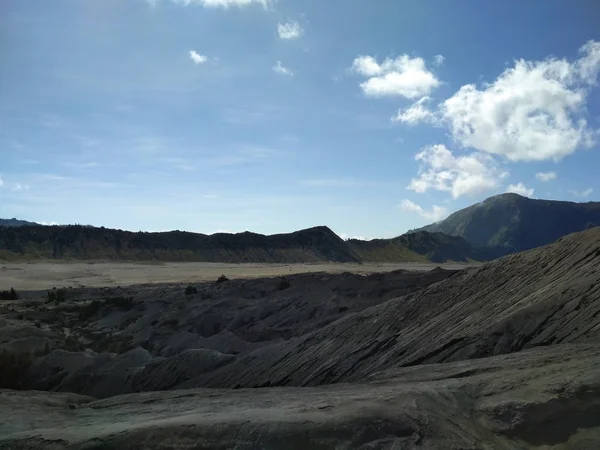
(289, 30)
(1, 182)
(403, 76)
(546, 176)
(436, 214)
(460, 175)
(197, 57)
(282, 70)
(415, 113)
(20, 187)
(582, 194)
(345, 237)
(520, 189)
(51, 223)
(531, 112)
(225, 4)
(438, 60)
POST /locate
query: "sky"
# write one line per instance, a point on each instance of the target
(372, 117)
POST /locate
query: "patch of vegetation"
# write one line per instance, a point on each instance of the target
(57, 295)
(13, 366)
(92, 308)
(191, 290)
(9, 295)
(222, 279)
(121, 302)
(283, 284)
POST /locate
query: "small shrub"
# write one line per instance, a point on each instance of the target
(191, 290)
(283, 284)
(57, 296)
(222, 279)
(91, 309)
(9, 295)
(125, 303)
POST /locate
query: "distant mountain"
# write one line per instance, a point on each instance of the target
(81, 242)
(318, 244)
(15, 223)
(422, 246)
(517, 223)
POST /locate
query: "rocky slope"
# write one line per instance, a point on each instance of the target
(544, 398)
(541, 297)
(517, 223)
(137, 333)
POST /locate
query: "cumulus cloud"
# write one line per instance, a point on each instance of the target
(346, 237)
(225, 4)
(520, 189)
(400, 77)
(436, 214)
(546, 176)
(415, 113)
(460, 175)
(531, 112)
(438, 60)
(289, 30)
(197, 57)
(582, 194)
(280, 69)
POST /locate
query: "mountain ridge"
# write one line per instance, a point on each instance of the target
(14, 222)
(316, 244)
(517, 223)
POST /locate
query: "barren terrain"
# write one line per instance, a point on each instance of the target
(503, 355)
(46, 275)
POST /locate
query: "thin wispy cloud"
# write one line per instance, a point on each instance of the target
(581, 194)
(436, 213)
(81, 165)
(225, 4)
(289, 30)
(17, 187)
(545, 176)
(281, 70)
(330, 182)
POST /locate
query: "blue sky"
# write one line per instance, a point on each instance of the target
(370, 116)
